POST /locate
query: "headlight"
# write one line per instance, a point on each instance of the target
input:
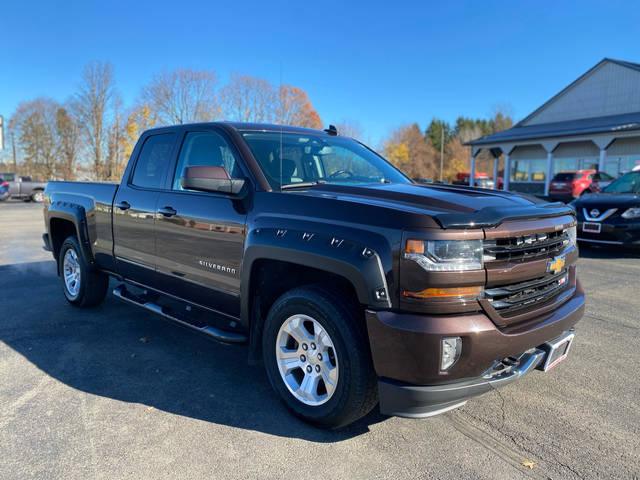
(445, 255)
(633, 212)
(572, 232)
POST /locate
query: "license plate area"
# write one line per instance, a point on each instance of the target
(591, 227)
(557, 350)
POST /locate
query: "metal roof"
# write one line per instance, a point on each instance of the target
(611, 123)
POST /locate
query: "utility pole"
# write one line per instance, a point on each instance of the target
(441, 149)
(13, 145)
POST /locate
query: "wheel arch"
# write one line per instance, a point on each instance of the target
(270, 270)
(63, 220)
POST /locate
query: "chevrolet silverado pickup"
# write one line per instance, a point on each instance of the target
(354, 285)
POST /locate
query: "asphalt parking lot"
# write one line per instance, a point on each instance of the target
(116, 392)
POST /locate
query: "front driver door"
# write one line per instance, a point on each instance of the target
(200, 236)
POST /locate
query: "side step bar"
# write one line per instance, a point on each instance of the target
(220, 335)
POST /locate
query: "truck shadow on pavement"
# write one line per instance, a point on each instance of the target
(127, 354)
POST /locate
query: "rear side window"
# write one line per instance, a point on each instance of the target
(153, 161)
(566, 177)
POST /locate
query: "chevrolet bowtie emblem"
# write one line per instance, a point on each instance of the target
(556, 265)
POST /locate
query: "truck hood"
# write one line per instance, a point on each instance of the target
(607, 200)
(452, 206)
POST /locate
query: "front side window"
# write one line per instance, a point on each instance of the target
(153, 161)
(288, 159)
(205, 149)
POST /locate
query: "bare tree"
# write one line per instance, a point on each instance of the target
(182, 96)
(91, 106)
(116, 143)
(35, 125)
(67, 143)
(349, 128)
(249, 99)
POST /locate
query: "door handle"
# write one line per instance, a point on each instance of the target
(123, 205)
(167, 211)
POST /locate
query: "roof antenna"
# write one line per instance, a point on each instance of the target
(332, 130)
(282, 116)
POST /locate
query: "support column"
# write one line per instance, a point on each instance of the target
(547, 177)
(472, 174)
(507, 171)
(495, 172)
(603, 158)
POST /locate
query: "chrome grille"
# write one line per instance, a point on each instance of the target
(525, 247)
(510, 298)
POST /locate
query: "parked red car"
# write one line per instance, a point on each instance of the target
(566, 186)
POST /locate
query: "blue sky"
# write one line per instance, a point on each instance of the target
(379, 63)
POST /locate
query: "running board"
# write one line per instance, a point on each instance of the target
(220, 335)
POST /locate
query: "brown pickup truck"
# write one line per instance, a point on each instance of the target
(353, 284)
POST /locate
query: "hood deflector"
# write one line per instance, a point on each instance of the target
(493, 216)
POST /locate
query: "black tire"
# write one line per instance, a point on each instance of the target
(355, 392)
(93, 285)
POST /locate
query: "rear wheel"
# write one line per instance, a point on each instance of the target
(307, 360)
(82, 286)
(37, 196)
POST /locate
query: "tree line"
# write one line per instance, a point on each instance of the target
(420, 153)
(91, 135)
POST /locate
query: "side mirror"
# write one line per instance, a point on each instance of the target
(211, 179)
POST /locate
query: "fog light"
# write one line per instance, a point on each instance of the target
(451, 349)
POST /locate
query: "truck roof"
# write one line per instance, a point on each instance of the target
(263, 127)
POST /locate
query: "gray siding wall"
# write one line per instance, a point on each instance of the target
(609, 90)
(576, 150)
(624, 146)
(528, 152)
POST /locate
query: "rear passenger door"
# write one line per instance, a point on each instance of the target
(200, 235)
(134, 208)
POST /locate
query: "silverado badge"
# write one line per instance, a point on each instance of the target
(556, 265)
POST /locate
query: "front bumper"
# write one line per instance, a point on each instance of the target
(625, 234)
(406, 355)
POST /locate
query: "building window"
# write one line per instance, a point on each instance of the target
(538, 170)
(534, 170)
(572, 164)
(520, 171)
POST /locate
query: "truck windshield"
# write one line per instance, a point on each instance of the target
(629, 183)
(309, 159)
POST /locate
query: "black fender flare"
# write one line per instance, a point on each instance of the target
(357, 262)
(75, 214)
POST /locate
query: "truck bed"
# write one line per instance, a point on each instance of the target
(96, 199)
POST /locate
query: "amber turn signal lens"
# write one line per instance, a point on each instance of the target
(414, 246)
(445, 292)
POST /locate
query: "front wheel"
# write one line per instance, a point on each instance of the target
(81, 286)
(317, 357)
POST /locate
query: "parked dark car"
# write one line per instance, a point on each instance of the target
(24, 187)
(611, 217)
(352, 284)
(565, 186)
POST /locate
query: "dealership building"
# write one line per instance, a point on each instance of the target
(594, 123)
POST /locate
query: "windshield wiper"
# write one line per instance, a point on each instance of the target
(301, 184)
